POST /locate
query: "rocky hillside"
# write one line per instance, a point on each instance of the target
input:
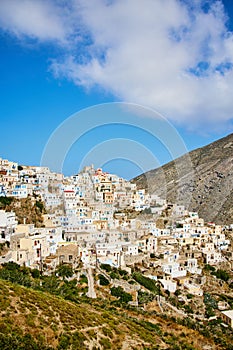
(202, 180)
(28, 209)
(36, 320)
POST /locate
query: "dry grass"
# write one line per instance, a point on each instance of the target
(55, 322)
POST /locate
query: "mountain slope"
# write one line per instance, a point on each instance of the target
(35, 320)
(202, 180)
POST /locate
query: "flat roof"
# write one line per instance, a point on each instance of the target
(228, 313)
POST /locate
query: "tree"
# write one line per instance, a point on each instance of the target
(121, 294)
(14, 273)
(146, 211)
(222, 274)
(11, 265)
(35, 273)
(114, 275)
(103, 280)
(64, 271)
(146, 282)
(177, 292)
(40, 206)
(106, 267)
(208, 267)
(145, 297)
(5, 201)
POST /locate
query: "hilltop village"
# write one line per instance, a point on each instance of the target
(95, 219)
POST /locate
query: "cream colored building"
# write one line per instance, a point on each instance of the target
(227, 317)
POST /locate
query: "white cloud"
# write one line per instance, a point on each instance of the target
(37, 19)
(170, 55)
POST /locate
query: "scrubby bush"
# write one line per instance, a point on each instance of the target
(208, 267)
(222, 274)
(145, 297)
(5, 201)
(64, 271)
(14, 273)
(146, 282)
(106, 267)
(35, 273)
(114, 275)
(103, 280)
(121, 294)
(123, 272)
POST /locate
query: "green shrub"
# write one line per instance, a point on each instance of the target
(114, 275)
(35, 273)
(208, 267)
(177, 292)
(121, 294)
(222, 274)
(103, 280)
(123, 272)
(146, 282)
(188, 309)
(106, 267)
(64, 271)
(145, 297)
(40, 206)
(210, 301)
(83, 279)
(5, 201)
(189, 296)
(105, 343)
(14, 273)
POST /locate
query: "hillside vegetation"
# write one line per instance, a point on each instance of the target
(29, 209)
(39, 314)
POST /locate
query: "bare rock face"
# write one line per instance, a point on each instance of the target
(202, 180)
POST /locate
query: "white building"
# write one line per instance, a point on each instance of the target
(8, 224)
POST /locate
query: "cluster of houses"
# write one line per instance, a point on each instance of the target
(93, 217)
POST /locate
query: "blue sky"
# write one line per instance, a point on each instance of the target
(61, 57)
